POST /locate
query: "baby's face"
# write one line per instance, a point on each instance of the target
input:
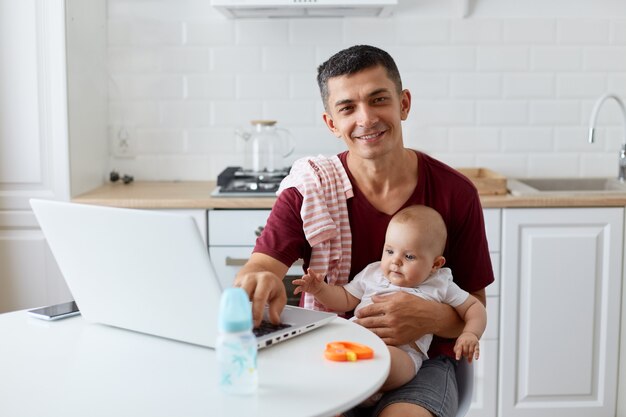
(406, 260)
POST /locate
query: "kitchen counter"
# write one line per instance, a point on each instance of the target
(197, 195)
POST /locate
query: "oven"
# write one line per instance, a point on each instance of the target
(231, 237)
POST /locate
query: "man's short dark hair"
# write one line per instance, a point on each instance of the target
(352, 60)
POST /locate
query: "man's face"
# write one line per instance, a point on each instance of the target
(365, 110)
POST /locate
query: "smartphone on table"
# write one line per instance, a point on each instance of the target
(55, 312)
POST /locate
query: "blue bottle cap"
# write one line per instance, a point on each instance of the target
(235, 311)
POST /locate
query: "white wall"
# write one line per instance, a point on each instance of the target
(87, 95)
(510, 88)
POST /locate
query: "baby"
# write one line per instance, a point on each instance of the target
(412, 262)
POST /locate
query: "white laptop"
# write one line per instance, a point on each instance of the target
(146, 271)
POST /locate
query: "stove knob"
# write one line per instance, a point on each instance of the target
(259, 230)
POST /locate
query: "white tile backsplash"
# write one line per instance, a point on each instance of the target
(580, 86)
(554, 165)
(234, 60)
(184, 60)
(554, 113)
(527, 139)
(510, 93)
(262, 86)
(474, 139)
(476, 86)
(159, 141)
(262, 32)
(287, 59)
(436, 58)
(503, 58)
(598, 164)
(472, 31)
(502, 112)
(210, 86)
(618, 31)
(315, 32)
(604, 58)
(147, 86)
(372, 31)
(444, 112)
(185, 114)
(558, 59)
(423, 31)
(213, 33)
(582, 31)
(426, 85)
(524, 31)
(529, 85)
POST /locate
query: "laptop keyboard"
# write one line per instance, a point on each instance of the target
(267, 327)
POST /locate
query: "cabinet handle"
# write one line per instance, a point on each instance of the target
(242, 261)
(259, 230)
(235, 261)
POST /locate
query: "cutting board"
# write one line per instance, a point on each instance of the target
(487, 182)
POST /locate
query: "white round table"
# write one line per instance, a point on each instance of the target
(73, 368)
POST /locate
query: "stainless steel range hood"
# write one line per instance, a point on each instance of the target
(239, 9)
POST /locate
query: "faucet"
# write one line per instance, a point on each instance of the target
(621, 175)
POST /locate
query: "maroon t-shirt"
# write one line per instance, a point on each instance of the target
(439, 187)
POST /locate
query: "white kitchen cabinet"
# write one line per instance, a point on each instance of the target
(198, 215)
(232, 235)
(486, 368)
(41, 108)
(231, 238)
(560, 312)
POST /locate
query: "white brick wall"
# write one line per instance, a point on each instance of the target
(510, 93)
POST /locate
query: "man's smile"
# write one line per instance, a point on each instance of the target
(369, 136)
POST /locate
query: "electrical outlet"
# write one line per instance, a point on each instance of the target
(122, 142)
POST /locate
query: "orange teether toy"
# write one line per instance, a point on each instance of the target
(347, 351)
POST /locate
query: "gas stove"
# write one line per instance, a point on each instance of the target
(239, 182)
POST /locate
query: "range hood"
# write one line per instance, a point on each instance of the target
(238, 9)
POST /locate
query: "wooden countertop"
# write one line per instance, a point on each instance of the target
(197, 195)
(167, 195)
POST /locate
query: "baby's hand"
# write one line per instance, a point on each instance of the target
(311, 282)
(467, 345)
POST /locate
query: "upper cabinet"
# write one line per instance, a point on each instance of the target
(52, 131)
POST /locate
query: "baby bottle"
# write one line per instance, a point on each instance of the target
(236, 344)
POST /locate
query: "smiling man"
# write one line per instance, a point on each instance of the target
(365, 105)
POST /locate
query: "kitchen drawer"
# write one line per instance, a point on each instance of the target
(235, 227)
(492, 228)
(228, 260)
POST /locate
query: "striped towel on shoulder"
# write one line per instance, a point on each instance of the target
(325, 188)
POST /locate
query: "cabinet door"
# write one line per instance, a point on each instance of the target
(486, 368)
(485, 380)
(560, 304)
(33, 148)
(236, 227)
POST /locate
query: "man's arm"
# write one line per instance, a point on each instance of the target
(262, 278)
(401, 318)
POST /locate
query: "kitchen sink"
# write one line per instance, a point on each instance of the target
(571, 185)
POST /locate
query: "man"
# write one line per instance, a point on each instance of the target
(364, 106)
